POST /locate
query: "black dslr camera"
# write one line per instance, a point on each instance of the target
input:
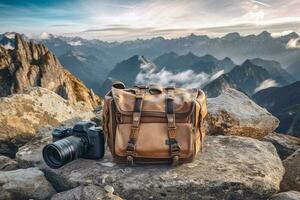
(84, 140)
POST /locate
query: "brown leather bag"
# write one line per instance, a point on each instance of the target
(154, 124)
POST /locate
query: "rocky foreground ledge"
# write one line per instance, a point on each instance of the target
(229, 168)
(232, 167)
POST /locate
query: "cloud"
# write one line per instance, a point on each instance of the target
(261, 3)
(254, 16)
(293, 43)
(186, 79)
(279, 34)
(266, 84)
(44, 36)
(148, 18)
(75, 43)
(217, 75)
(62, 25)
(149, 73)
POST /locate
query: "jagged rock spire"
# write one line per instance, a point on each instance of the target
(30, 65)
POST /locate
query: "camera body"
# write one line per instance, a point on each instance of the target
(84, 140)
(91, 134)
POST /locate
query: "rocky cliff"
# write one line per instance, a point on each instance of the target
(30, 64)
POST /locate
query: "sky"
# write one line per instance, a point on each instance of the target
(119, 20)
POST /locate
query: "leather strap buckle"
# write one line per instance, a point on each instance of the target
(130, 148)
(175, 149)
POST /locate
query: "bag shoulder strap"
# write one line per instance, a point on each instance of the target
(172, 142)
(136, 118)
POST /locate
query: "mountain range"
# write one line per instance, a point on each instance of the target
(207, 71)
(284, 103)
(105, 55)
(249, 78)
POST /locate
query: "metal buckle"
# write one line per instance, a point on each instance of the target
(129, 160)
(175, 149)
(175, 160)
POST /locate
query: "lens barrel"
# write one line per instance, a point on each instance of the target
(63, 151)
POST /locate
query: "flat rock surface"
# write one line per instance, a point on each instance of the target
(24, 184)
(290, 195)
(291, 178)
(90, 192)
(285, 145)
(230, 167)
(234, 113)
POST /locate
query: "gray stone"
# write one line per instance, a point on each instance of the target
(22, 115)
(291, 178)
(285, 145)
(230, 167)
(7, 164)
(90, 192)
(24, 184)
(109, 189)
(290, 195)
(234, 113)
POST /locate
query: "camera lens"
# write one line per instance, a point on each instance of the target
(63, 151)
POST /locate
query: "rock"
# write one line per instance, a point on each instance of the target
(285, 145)
(90, 192)
(7, 164)
(291, 178)
(290, 195)
(22, 115)
(234, 113)
(30, 154)
(24, 184)
(109, 189)
(230, 167)
(31, 65)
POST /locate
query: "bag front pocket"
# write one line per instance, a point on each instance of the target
(152, 140)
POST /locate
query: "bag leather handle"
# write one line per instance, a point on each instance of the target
(118, 85)
(155, 89)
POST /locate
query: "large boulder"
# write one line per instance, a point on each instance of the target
(291, 178)
(90, 192)
(22, 115)
(7, 164)
(230, 167)
(290, 195)
(24, 184)
(234, 113)
(285, 145)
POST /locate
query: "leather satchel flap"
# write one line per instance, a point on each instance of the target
(184, 100)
